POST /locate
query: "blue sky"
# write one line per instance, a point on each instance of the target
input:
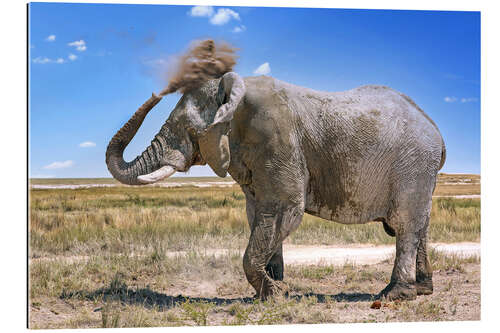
(92, 65)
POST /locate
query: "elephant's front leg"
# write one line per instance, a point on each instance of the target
(271, 227)
(275, 267)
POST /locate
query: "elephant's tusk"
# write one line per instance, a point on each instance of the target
(157, 175)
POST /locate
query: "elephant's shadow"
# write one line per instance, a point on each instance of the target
(152, 299)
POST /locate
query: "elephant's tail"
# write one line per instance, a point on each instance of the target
(443, 155)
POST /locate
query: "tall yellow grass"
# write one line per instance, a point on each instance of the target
(126, 220)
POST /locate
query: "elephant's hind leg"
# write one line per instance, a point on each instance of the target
(402, 284)
(424, 269)
(410, 217)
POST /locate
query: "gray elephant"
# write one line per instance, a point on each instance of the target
(367, 154)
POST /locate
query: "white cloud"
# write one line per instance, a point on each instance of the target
(87, 144)
(59, 165)
(263, 69)
(79, 45)
(45, 60)
(202, 11)
(240, 28)
(469, 99)
(463, 99)
(51, 38)
(41, 60)
(72, 57)
(223, 16)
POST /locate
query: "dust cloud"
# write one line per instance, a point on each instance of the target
(204, 60)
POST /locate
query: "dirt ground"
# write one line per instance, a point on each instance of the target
(322, 255)
(315, 295)
(324, 282)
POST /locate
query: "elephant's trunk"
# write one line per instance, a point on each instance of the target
(148, 162)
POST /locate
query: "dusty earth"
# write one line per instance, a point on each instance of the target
(345, 295)
(328, 255)
(363, 255)
(325, 284)
(355, 254)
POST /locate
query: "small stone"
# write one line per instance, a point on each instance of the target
(376, 305)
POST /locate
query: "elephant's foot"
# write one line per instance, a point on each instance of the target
(267, 287)
(399, 291)
(424, 285)
(270, 288)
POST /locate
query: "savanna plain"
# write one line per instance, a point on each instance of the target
(170, 255)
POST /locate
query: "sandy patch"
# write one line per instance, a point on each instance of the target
(325, 255)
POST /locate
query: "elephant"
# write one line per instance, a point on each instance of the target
(362, 155)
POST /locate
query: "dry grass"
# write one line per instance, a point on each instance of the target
(455, 178)
(138, 219)
(458, 184)
(123, 291)
(98, 259)
(125, 220)
(459, 189)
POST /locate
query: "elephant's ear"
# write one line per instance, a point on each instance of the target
(214, 142)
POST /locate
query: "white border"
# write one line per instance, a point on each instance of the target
(13, 138)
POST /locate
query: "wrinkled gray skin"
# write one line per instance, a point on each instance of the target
(367, 154)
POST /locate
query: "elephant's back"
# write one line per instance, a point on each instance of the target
(361, 145)
(379, 111)
(369, 100)
(370, 115)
